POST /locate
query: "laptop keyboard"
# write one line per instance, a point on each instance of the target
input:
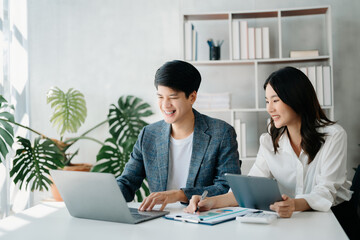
(141, 215)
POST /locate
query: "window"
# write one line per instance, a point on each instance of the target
(14, 87)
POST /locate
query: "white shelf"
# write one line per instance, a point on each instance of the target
(248, 159)
(244, 109)
(234, 110)
(311, 23)
(254, 61)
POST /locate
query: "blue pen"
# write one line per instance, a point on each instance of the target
(210, 42)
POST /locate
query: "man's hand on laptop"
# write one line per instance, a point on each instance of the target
(163, 198)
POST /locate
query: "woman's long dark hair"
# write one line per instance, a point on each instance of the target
(295, 89)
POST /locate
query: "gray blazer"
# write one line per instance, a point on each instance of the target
(214, 153)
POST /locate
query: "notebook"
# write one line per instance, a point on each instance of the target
(254, 192)
(97, 196)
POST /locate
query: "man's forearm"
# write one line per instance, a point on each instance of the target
(180, 196)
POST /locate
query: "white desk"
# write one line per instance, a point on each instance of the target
(52, 221)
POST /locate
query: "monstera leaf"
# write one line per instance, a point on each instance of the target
(32, 163)
(125, 122)
(125, 119)
(69, 109)
(143, 192)
(6, 130)
(112, 157)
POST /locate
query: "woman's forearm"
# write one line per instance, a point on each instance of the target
(225, 200)
(301, 204)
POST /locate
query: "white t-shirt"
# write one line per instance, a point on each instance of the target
(322, 183)
(179, 162)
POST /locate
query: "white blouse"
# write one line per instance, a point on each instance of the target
(322, 183)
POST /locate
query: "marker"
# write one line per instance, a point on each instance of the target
(203, 196)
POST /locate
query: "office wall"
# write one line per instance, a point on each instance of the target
(107, 48)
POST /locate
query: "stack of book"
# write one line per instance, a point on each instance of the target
(250, 42)
(320, 78)
(191, 39)
(212, 101)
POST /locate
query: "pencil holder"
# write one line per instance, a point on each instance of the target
(214, 53)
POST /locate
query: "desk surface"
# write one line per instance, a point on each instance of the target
(51, 220)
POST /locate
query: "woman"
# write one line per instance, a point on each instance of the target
(304, 151)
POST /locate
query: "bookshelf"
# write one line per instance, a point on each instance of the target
(289, 29)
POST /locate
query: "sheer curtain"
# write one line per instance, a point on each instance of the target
(14, 86)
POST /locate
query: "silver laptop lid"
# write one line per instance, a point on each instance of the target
(94, 196)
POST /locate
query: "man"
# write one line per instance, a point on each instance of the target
(184, 154)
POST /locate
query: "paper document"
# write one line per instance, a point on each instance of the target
(211, 217)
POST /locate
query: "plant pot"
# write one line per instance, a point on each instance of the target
(83, 167)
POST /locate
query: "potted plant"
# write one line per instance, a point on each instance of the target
(125, 124)
(32, 162)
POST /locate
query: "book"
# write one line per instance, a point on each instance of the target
(244, 54)
(312, 76)
(237, 127)
(236, 40)
(243, 140)
(306, 53)
(251, 42)
(258, 43)
(211, 217)
(188, 40)
(304, 70)
(265, 42)
(194, 45)
(319, 85)
(327, 85)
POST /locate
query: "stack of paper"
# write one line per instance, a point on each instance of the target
(208, 101)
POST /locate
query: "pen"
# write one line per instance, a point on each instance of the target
(210, 42)
(203, 196)
(183, 219)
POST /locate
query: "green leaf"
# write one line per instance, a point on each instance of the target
(112, 158)
(125, 123)
(6, 130)
(143, 192)
(6, 136)
(3, 149)
(69, 109)
(32, 163)
(125, 119)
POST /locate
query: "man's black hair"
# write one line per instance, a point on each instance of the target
(178, 75)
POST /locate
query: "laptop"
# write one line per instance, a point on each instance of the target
(97, 196)
(254, 192)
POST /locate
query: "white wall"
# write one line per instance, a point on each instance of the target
(107, 48)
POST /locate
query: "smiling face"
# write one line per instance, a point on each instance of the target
(174, 105)
(281, 113)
